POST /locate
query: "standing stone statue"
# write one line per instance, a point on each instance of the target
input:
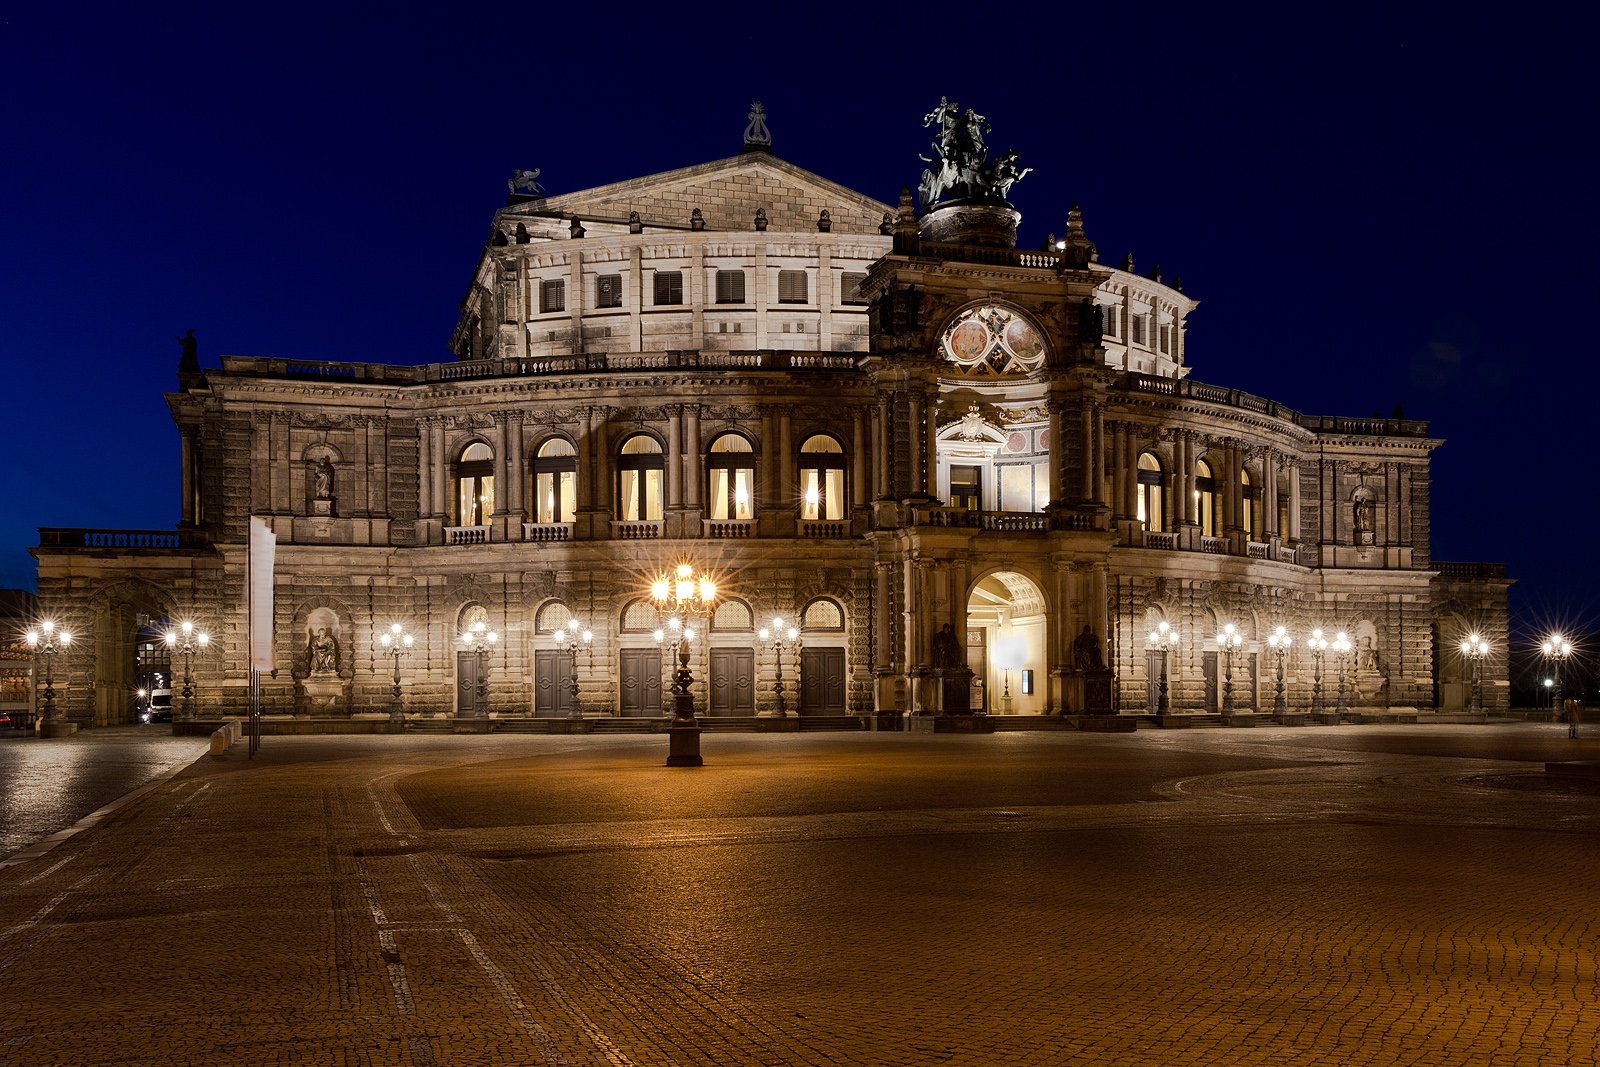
(189, 361)
(946, 649)
(322, 473)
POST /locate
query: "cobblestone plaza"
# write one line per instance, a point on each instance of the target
(1359, 895)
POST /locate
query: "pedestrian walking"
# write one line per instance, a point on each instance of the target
(1574, 716)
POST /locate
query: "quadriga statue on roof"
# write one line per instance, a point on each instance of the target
(961, 167)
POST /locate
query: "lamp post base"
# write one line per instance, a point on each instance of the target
(57, 728)
(683, 744)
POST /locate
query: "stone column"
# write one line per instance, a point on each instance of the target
(1054, 465)
(517, 475)
(674, 456)
(883, 652)
(1086, 452)
(378, 481)
(260, 442)
(600, 427)
(881, 448)
(188, 474)
(1097, 455)
(761, 299)
(858, 460)
(1119, 472)
(424, 469)
(502, 470)
(825, 298)
(1269, 495)
(697, 296)
(930, 472)
(1294, 499)
(917, 455)
(692, 449)
(441, 497)
(636, 299)
(786, 491)
(575, 297)
(584, 497)
(281, 481)
(769, 462)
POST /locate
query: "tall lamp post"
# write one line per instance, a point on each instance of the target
(1228, 641)
(396, 643)
(44, 642)
(479, 640)
(778, 639)
(1278, 645)
(1476, 649)
(573, 642)
(1319, 647)
(683, 596)
(1163, 639)
(1341, 656)
(1557, 648)
(187, 641)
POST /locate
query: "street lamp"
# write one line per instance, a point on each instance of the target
(1007, 656)
(1341, 655)
(1278, 645)
(1549, 695)
(572, 643)
(187, 641)
(396, 643)
(686, 596)
(779, 640)
(479, 640)
(1475, 649)
(1557, 648)
(44, 642)
(1164, 639)
(1318, 646)
(1228, 641)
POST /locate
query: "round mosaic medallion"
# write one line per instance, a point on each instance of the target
(1024, 341)
(1017, 443)
(987, 341)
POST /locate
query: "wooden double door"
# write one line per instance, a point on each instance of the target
(552, 684)
(822, 682)
(733, 682)
(640, 683)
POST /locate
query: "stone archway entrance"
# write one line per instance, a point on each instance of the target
(129, 655)
(1006, 641)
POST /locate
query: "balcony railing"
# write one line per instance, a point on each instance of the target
(1218, 545)
(141, 540)
(1255, 550)
(1134, 382)
(635, 531)
(547, 531)
(577, 363)
(726, 529)
(1470, 572)
(820, 528)
(466, 535)
(1156, 539)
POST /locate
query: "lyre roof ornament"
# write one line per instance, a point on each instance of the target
(757, 138)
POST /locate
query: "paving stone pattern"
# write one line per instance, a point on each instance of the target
(1351, 895)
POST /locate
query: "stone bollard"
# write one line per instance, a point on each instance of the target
(223, 738)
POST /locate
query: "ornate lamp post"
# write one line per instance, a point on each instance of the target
(572, 643)
(187, 641)
(396, 643)
(683, 596)
(1557, 648)
(1475, 649)
(1278, 645)
(778, 639)
(43, 642)
(1341, 656)
(1318, 646)
(1164, 639)
(479, 640)
(1228, 641)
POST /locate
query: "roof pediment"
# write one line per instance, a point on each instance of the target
(728, 192)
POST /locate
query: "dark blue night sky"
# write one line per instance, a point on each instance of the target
(1371, 205)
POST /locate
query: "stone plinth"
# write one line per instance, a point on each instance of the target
(950, 724)
(990, 223)
(1107, 724)
(323, 696)
(57, 728)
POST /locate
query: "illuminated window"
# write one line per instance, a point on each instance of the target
(792, 287)
(966, 487)
(730, 286)
(552, 618)
(555, 481)
(1207, 499)
(822, 614)
(640, 471)
(475, 485)
(732, 470)
(669, 287)
(733, 616)
(1252, 513)
(1152, 505)
(821, 478)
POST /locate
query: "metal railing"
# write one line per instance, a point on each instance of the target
(1470, 572)
(144, 540)
(1135, 382)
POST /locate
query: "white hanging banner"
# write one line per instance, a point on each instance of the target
(263, 547)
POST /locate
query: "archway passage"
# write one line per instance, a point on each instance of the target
(130, 657)
(1007, 635)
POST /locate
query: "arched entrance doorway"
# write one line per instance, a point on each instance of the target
(1007, 635)
(130, 654)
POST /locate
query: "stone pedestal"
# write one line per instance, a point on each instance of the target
(322, 507)
(322, 696)
(683, 736)
(975, 221)
(57, 728)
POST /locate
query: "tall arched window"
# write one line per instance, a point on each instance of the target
(1207, 498)
(555, 481)
(1152, 506)
(475, 485)
(1252, 513)
(821, 478)
(732, 469)
(639, 475)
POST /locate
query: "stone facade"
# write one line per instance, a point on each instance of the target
(935, 456)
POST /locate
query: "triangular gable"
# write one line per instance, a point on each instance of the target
(728, 192)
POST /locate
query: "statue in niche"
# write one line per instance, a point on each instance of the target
(322, 651)
(322, 475)
(1365, 516)
(946, 649)
(1086, 651)
(1368, 661)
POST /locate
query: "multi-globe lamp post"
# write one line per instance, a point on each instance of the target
(1228, 641)
(1319, 647)
(479, 640)
(46, 641)
(396, 643)
(1475, 648)
(574, 641)
(1556, 648)
(682, 597)
(1278, 644)
(1163, 639)
(780, 640)
(187, 641)
(1341, 655)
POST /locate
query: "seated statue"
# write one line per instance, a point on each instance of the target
(1086, 651)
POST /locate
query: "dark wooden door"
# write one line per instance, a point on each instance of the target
(641, 682)
(552, 684)
(467, 684)
(1152, 679)
(733, 681)
(1208, 665)
(822, 681)
(1255, 686)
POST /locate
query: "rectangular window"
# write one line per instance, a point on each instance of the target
(966, 488)
(1164, 331)
(850, 285)
(608, 291)
(1111, 320)
(730, 286)
(791, 287)
(553, 295)
(669, 287)
(1138, 329)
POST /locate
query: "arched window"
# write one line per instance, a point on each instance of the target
(1252, 513)
(640, 468)
(475, 485)
(555, 481)
(732, 470)
(639, 617)
(821, 478)
(822, 614)
(552, 617)
(733, 616)
(1207, 498)
(1152, 506)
